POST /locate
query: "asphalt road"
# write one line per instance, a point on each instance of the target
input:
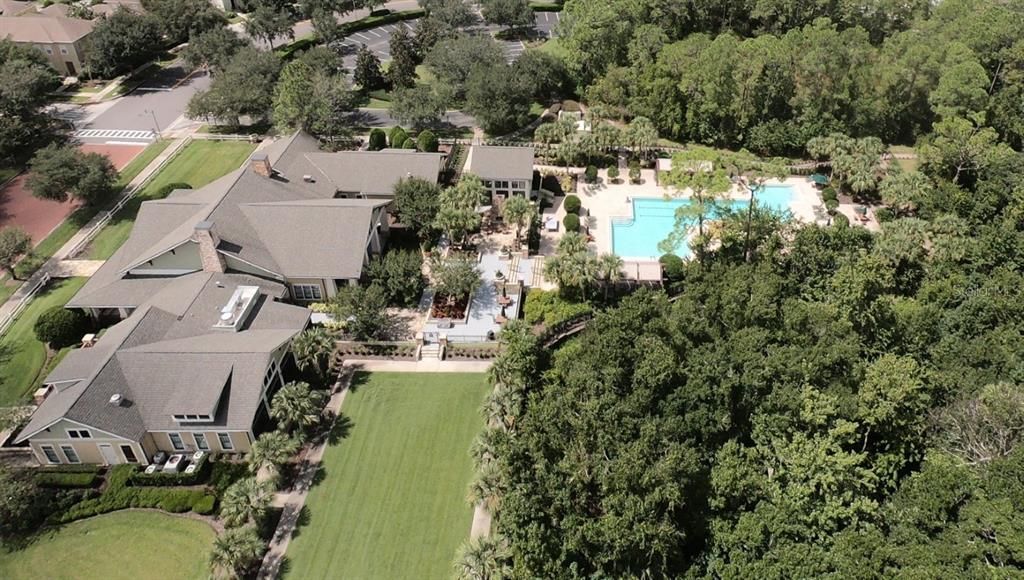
(156, 106)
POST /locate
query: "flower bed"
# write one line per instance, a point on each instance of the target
(441, 309)
(458, 351)
(383, 350)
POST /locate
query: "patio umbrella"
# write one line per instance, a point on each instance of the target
(818, 179)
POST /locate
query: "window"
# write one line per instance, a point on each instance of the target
(176, 441)
(129, 454)
(201, 443)
(306, 291)
(79, 434)
(63, 50)
(51, 454)
(192, 418)
(48, 50)
(225, 441)
(69, 452)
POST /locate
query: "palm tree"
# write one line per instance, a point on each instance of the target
(487, 487)
(271, 450)
(296, 406)
(245, 501)
(642, 135)
(312, 347)
(609, 267)
(503, 406)
(519, 211)
(484, 558)
(235, 551)
(903, 191)
(484, 447)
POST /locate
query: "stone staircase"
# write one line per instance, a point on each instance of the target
(430, 351)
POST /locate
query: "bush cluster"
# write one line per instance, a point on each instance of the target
(427, 142)
(224, 473)
(572, 222)
(884, 214)
(547, 307)
(119, 495)
(378, 140)
(590, 174)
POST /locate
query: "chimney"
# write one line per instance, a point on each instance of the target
(261, 165)
(209, 256)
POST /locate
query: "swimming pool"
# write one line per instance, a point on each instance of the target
(654, 217)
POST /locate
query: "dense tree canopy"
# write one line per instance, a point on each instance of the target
(26, 83)
(121, 42)
(772, 74)
(814, 402)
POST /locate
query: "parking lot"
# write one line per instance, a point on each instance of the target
(378, 39)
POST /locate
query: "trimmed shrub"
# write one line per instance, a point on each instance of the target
(167, 189)
(378, 140)
(884, 214)
(60, 479)
(831, 205)
(60, 327)
(409, 144)
(840, 220)
(634, 173)
(590, 174)
(119, 495)
(829, 193)
(205, 505)
(572, 204)
(672, 266)
(397, 137)
(426, 141)
(572, 222)
(613, 173)
(224, 473)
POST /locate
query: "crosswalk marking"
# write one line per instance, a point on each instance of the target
(115, 134)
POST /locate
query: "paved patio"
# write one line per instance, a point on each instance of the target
(483, 307)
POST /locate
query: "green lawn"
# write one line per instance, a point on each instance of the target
(129, 545)
(197, 164)
(22, 357)
(393, 501)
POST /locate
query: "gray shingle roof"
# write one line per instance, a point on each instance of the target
(260, 220)
(500, 162)
(166, 359)
(375, 173)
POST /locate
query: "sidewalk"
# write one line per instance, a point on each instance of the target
(53, 267)
(295, 500)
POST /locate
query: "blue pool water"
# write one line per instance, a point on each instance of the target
(654, 218)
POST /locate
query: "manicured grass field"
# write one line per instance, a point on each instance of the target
(129, 545)
(393, 500)
(22, 357)
(197, 164)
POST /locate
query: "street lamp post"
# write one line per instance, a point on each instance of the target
(155, 123)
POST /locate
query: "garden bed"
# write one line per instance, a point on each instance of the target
(378, 350)
(457, 351)
(440, 309)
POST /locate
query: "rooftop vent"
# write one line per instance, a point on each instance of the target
(234, 313)
(116, 399)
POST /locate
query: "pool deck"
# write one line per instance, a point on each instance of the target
(604, 200)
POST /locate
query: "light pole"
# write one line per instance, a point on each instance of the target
(155, 124)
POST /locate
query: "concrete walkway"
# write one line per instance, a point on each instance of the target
(294, 500)
(52, 268)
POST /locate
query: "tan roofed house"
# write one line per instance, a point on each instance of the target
(62, 40)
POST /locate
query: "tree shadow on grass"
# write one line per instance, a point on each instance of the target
(301, 521)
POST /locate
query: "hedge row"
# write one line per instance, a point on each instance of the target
(119, 496)
(62, 480)
(545, 6)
